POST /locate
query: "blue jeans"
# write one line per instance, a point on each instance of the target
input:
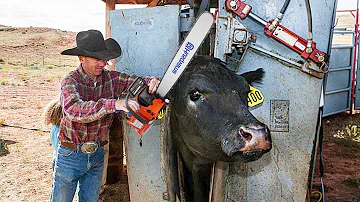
(54, 136)
(54, 142)
(73, 167)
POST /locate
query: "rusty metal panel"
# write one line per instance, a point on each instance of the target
(291, 99)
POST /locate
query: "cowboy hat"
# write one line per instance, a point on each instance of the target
(91, 43)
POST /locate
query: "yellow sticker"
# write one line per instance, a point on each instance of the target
(161, 114)
(255, 97)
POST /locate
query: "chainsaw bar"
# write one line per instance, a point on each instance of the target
(185, 53)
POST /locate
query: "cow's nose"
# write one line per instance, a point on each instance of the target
(256, 138)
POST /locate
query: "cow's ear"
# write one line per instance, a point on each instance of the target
(170, 95)
(254, 76)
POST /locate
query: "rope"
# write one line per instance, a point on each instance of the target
(317, 192)
(21, 127)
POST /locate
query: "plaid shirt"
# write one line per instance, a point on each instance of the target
(89, 106)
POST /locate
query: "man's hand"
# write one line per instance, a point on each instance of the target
(120, 105)
(153, 85)
(133, 104)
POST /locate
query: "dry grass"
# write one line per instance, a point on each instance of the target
(3, 148)
(22, 75)
(37, 47)
(344, 129)
(25, 169)
(31, 69)
(354, 199)
(354, 180)
(350, 132)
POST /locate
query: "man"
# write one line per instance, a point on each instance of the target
(89, 97)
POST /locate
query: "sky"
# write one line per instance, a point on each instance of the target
(71, 15)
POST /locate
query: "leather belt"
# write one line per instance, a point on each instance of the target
(87, 147)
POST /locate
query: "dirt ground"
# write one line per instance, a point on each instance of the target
(31, 69)
(341, 158)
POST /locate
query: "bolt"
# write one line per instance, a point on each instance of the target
(239, 36)
(321, 58)
(308, 50)
(232, 4)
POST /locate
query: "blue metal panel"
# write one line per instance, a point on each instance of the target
(337, 102)
(357, 88)
(149, 38)
(341, 56)
(338, 83)
(338, 80)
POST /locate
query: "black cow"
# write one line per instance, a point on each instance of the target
(210, 121)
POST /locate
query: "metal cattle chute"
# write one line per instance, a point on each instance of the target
(274, 35)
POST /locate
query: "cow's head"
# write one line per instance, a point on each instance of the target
(210, 112)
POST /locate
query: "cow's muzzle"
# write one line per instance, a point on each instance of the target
(257, 138)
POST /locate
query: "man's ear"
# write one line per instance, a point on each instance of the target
(81, 59)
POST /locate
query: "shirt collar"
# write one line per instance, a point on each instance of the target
(84, 75)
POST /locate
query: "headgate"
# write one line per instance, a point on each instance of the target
(292, 87)
(292, 96)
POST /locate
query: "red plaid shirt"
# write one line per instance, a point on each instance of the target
(89, 106)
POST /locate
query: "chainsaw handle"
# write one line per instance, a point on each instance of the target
(132, 112)
(145, 98)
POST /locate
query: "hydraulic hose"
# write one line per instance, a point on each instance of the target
(279, 16)
(283, 9)
(310, 37)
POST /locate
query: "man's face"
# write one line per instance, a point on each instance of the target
(92, 66)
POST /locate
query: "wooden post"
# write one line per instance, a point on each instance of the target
(115, 169)
(110, 5)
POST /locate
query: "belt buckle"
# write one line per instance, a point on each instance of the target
(89, 147)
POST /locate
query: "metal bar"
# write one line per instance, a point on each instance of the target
(335, 112)
(345, 10)
(343, 31)
(356, 38)
(257, 18)
(219, 176)
(342, 46)
(271, 54)
(337, 91)
(340, 69)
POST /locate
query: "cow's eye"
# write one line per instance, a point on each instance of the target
(195, 95)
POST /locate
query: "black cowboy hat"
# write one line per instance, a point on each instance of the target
(91, 43)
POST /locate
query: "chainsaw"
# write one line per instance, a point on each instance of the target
(152, 106)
